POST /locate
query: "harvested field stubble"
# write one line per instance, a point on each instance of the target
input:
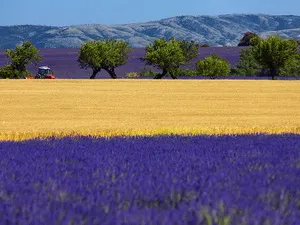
(41, 108)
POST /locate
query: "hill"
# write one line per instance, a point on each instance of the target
(224, 30)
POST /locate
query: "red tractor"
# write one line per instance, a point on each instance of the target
(45, 72)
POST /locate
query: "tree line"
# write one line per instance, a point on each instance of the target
(273, 56)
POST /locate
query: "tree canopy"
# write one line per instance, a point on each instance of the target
(190, 49)
(20, 58)
(213, 66)
(166, 55)
(247, 65)
(245, 40)
(106, 55)
(291, 67)
(170, 55)
(273, 53)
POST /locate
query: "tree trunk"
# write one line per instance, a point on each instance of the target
(174, 76)
(274, 72)
(161, 75)
(112, 73)
(94, 73)
(174, 73)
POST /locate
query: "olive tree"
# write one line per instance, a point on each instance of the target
(165, 55)
(20, 58)
(273, 53)
(213, 66)
(106, 55)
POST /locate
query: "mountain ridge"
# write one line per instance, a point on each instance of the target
(221, 30)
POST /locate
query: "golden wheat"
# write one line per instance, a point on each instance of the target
(42, 108)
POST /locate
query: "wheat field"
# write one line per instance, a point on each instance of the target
(43, 108)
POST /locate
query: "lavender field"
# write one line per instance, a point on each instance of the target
(199, 180)
(64, 61)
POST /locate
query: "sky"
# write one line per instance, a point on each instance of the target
(76, 12)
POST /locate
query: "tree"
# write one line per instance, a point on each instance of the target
(20, 58)
(213, 66)
(90, 56)
(291, 67)
(247, 65)
(273, 53)
(106, 55)
(115, 55)
(166, 55)
(245, 41)
(190, 49)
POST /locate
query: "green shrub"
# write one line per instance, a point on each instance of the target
(186, 73)
(8, 72)
(132, 75)
(213, 66)
(148, 72)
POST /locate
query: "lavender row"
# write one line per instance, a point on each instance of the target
(246, 179)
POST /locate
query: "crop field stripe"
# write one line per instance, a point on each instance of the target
(43, 108)
(246, 179)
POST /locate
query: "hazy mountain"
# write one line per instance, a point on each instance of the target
(213, 30)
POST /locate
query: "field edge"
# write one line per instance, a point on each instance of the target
(216, 131)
